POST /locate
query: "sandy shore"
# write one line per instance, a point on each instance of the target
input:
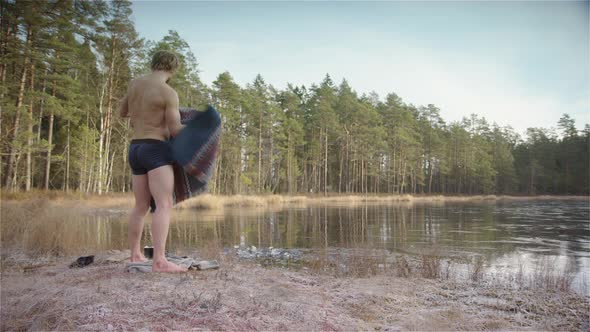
(242, 295)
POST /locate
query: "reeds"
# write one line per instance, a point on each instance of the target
(218, 202)
(402, 267)
(363, 263)
(215, 202)
(430, 267)
(547, 276)
(43, 227)
(110, 199)
(476, 269)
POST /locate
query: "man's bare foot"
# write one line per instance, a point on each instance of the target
(167, 266)
(137, 258)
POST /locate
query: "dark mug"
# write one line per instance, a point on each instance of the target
(148, 252)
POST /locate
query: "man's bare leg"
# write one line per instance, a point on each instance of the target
(161, 184)
(142, 203)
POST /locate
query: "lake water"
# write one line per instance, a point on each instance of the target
(508, 234)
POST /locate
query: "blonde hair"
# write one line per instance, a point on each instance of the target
(165, 60)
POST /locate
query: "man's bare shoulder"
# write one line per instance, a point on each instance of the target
(147, 81)
(169, 91)
(136, 82)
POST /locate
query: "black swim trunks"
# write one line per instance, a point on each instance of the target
(147, 154)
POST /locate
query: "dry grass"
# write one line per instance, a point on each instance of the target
(202, 202)
(366, 263)
(215, 202)
(430, 267)
(546, 276)
(244, 296)
(218, 202)
(110, 199)
(362, 265)
(476, 269)
(42, 227)
(347, 263)
(402, 267)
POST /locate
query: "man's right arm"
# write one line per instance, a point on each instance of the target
(172, 114)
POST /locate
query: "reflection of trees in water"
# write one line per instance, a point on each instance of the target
(502, 233)
(459, 228)
(81, 235)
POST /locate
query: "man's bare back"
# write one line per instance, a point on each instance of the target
(152, 106)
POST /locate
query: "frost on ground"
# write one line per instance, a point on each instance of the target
(243, 295)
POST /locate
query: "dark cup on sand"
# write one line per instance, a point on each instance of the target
(148, 252)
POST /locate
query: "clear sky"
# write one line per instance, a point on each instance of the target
(516, 63)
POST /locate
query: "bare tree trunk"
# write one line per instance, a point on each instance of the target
(4, 21)
(363, 176)
(340, 171)
(378, 176)
(84, 171)
(326, 162)
(49, 141)
(394, 162)
(101, 139)
(109, 114)
(28, 181)
(19, 101)
(217, 182)
(259, 151)
(15, 176)
(125, 153)
(532, 180)
(395, 172)
(318, 162)
(90, 178)
(430, 180)
(289, 179)
(271, 182)
(41, 107)
(39, 123)
(67, 182)
(110, 173)
(238, 171)
(347, 162)
(403, 175)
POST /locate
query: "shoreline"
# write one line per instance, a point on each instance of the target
(211, 202)
(245, 295)
(117, 198)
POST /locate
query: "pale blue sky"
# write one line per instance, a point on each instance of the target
(516, 63)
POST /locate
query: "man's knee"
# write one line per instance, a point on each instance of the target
(164, 204)
(141, 208)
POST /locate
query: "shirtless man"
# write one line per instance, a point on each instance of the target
(152, 106)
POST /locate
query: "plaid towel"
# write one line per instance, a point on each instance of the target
(184, 261)
(194, 150)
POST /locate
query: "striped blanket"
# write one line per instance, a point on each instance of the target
(194, 150)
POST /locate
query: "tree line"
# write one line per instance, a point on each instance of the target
(65, 64)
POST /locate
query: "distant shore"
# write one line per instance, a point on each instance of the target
(211, 201)
(222, 201)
